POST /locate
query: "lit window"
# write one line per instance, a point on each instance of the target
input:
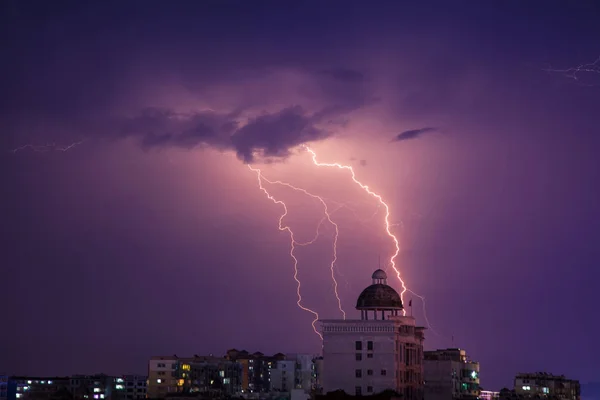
(96, 396)
(186, 367)
(43, 382)
(49, 382)
(101, 396)
(159, 381)
(29, 382)
(19, 395)
(120, 387)
(546, 390)
(119, 380)
(474, 374)
(226, 381)
(96, 390)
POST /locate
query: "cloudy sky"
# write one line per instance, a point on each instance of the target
(151, 236)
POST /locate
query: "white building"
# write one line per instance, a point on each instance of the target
(450, 375)
(283, 376)
(381, 351)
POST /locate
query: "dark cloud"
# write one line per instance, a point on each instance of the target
(270, 135)
(345, 75)
(412, 134)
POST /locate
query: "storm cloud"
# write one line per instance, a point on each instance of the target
(267, 135)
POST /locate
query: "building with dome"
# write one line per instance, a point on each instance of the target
(383, 350)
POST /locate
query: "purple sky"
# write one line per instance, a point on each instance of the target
(152, 237)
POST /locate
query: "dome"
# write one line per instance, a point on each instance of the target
(379, 297)
(379, 274)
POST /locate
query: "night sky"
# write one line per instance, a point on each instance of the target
(151, 236)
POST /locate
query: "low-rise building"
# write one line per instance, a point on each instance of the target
(546, 385)
(37, 388)
(450, 375)
(96, 387)
(135, 386)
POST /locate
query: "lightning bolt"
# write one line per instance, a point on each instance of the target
(576, 72)
(381, 201)
(335, 239)
(47, 147)
(292, 246)
(388, 226)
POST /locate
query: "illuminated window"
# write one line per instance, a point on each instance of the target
(474, 374)
(159, 381)
(119, 387)
(226, 381)
(526, 387)
(186, 367)
(101, 396)
(95, 396)
(29, 382)
(19, 395)
(546, 390)
(96, 390)
(49, 382)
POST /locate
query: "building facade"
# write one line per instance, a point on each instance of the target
(546, 385)
(283, 376)
(450, 375)
(135, 386)
(381, 351)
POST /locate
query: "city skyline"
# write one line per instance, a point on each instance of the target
(134, 226)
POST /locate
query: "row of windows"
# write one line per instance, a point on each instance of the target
(358, 372)
(359, 345)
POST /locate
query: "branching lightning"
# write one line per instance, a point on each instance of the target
(388, 230)
(383, 203)
(576, 73)
(292, 246)
(43, 148)
(335, 239)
